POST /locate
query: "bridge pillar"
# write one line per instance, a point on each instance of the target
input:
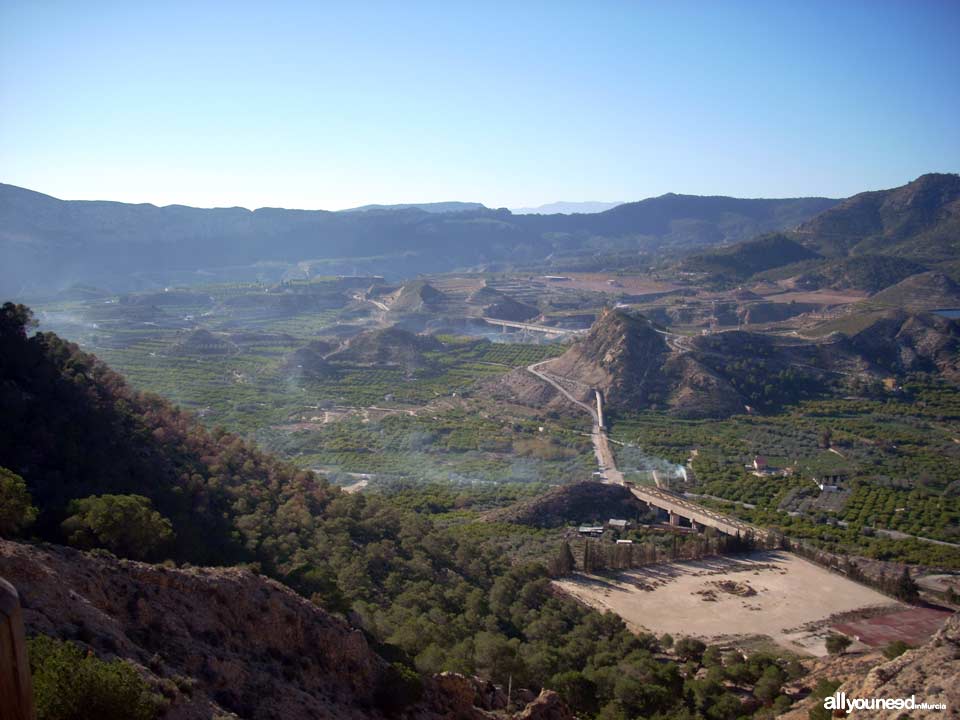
(696, 526)
(674, 519)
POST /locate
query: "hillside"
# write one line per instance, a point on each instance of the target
(923, 291)
(743, 260)
(867, 242)
(930, 672)
(919, 220)
(899, 342)
(631, 363)
(391, 346)
(577, 503)
(50, 244)
(226, 640)
(863, 272)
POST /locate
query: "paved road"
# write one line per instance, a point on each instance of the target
(652, 496)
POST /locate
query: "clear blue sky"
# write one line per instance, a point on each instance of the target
(331, 105)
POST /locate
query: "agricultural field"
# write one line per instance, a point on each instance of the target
(897, 457)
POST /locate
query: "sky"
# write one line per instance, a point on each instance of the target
(332, 105)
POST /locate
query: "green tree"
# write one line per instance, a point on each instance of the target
(577, 690)
(906, 588)
(16, 506)
(70, 684)
(690, 649)
(836, 644)
(126, 525)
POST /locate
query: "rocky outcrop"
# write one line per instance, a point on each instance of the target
(631, 362)
(223, 642)
(547, 706)
(931, 673)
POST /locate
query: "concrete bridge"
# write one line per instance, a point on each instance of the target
(545, 329)
(681, 510)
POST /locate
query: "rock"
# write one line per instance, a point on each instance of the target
(547, 706)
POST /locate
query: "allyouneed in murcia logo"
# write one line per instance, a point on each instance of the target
(843, 705)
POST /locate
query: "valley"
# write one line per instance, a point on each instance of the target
(729, 452)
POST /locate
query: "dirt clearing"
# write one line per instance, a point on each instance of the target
(767, 593)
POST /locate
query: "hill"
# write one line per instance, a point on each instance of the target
(566, 208)
(629, 360)
(418, 296)
(434, 207)
(392, 346)
(743, 260)
(50, 244)
(923, 291)
(862, 272)
(867, 242)
(919, 220)
(577, 503)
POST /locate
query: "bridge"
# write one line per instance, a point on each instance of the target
(545, 329)
(679, 509)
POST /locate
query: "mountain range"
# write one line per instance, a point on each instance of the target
(48, 244)
(867, 242)
(566, 208)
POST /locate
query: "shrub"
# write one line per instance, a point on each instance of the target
(69, 684)
(836, 644)
(399, 688)
(16, 506)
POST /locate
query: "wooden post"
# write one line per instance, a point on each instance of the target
(16, 695)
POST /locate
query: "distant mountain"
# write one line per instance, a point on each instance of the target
(47, 244)
(919, 220)
(867, 242)
(434, 207)
(566, 208)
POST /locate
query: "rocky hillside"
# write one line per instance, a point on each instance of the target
(919, 220)
(630, 361)
(227, 642)
(418, 296)
(899, 342)
(930, 672)
(923, 291)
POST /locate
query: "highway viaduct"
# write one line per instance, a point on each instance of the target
(678, 509)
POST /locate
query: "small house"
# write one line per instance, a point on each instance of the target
(595, 530)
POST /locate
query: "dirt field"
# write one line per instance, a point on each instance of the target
(770, 593)
(914, 627)
(822, 297)
(613, 283)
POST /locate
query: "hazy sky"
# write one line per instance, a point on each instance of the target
(332, 105)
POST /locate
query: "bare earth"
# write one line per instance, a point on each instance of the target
(766, 593)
